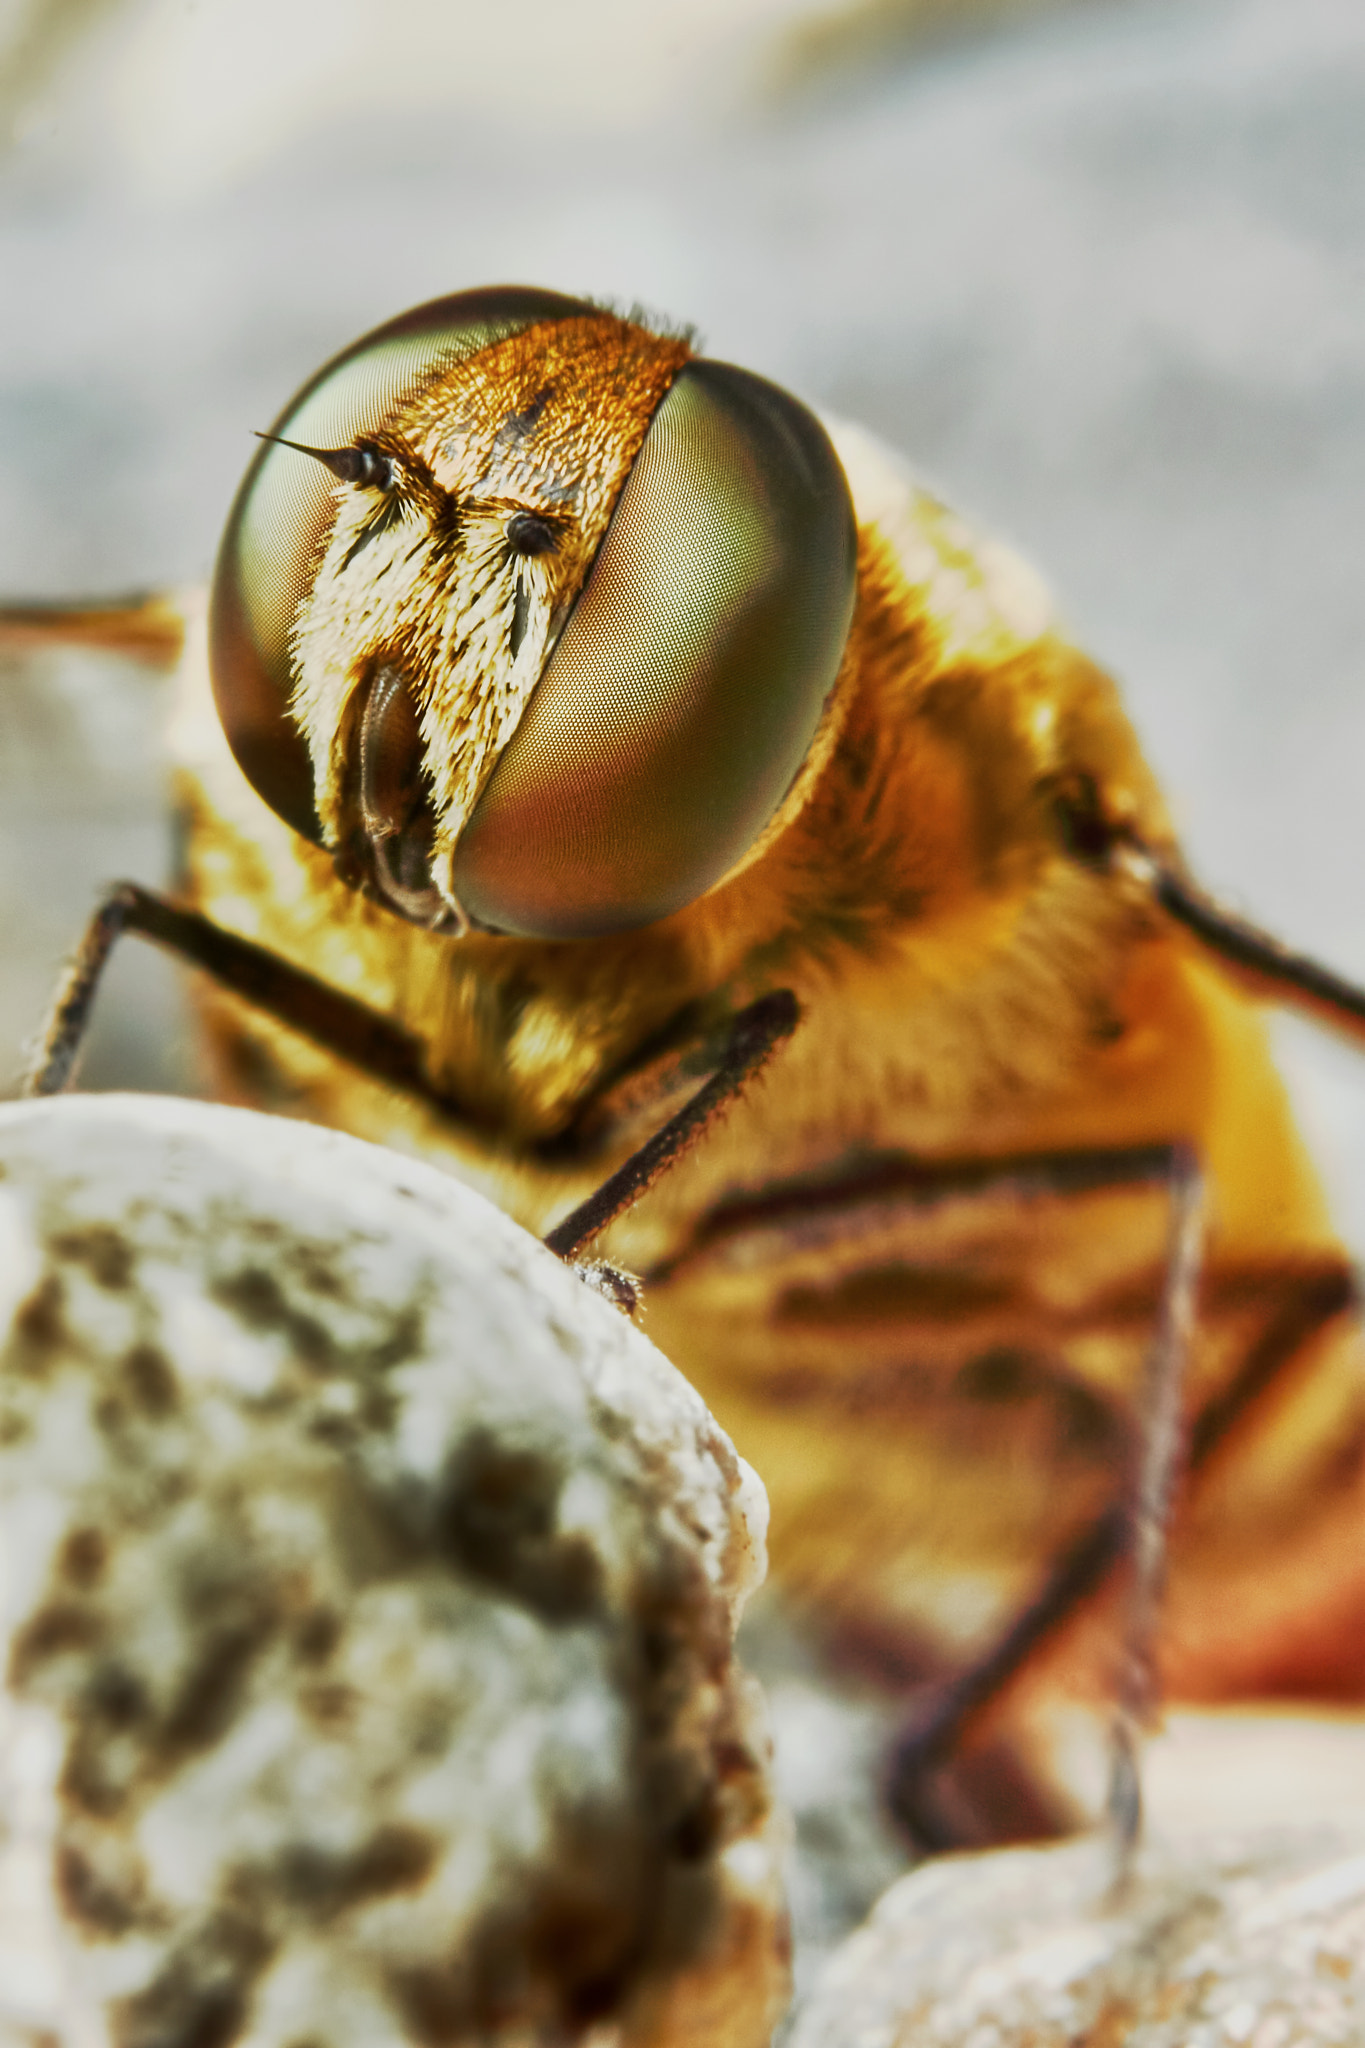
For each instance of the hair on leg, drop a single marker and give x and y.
(1135, 1526)
(337, 1022)
(754, 1036)
(1161, 1452)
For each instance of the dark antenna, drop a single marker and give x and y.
(362, 463)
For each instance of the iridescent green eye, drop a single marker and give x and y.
(546, 629)
(285, 507)
(681, 698)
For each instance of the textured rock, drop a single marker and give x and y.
(1218, 1943)
(368, 1591)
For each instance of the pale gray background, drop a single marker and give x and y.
(1099, 269)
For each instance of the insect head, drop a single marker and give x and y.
(530, 614)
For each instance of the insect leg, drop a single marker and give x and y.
(372, 1041)
(754, 1037)
(1136, 1527)
(149, 629)
(1149, 1514)
(337, 1022)
(1272, 969)
(1282, 974)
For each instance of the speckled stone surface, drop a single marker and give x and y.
(367, 1599)
(1234, 1942)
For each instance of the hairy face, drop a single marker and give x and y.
(464, 530)
(531, 616)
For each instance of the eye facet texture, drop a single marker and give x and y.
(284, 510)
(683, 694)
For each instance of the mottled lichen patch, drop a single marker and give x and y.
(379, 1581)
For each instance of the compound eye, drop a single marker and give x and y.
(277, 530)
(684, 692)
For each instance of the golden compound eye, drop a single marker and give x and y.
(278, 526)
(684, 692)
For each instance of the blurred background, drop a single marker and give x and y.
(1096, 266)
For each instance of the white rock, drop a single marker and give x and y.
(367, 1598)
(1244, 1936)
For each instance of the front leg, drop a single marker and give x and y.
(339, 1023)
(754, 1036)
(383, 1049)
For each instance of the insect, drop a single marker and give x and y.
(591, 729)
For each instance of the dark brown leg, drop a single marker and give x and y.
(933, 1733)
(337, 1022)
(369, 1040)
(836, 1210)
(754, 1037)
(1279, 974)
(1135, 1528)
(1273, 969)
